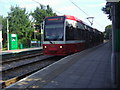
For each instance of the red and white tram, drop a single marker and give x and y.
(66, 34)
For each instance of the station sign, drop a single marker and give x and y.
(112, 0)
(33, 41)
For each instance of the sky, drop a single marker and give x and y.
(91, 8)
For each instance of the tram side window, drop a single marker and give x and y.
(80, 30)
(81, 34)
(74, 33)
(69, 33)
(78, 34)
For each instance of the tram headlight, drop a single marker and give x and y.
(45, 46)
(61, 46)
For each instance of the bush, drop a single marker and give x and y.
(25, 42)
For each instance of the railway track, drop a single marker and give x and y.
(20, 57)
(16, 69)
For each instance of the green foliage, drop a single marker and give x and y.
(34, 40)
(19, 23)
(4, 31)
(1, 19)
(39, 15)
(108, 27)
(107, 9)
(108, 32)
(25, 42)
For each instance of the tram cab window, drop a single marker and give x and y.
(54, 32)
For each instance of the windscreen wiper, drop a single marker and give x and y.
(50, 41)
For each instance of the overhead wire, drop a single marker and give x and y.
(82, 11)
(74, 5)
(78, 7)
(46, 6)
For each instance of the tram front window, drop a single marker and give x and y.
(54, 32)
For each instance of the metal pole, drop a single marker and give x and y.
(113, 56)
(34, 34)
(7, 34)
(115, 60)
(42, 33)
(0, 36)
(0, 40)
(117, 42)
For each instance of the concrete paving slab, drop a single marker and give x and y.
(86, 69)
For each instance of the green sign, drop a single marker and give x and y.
(13, 41)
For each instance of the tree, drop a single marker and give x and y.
(1, 19)
(39, 15)
(20, 24)
(4, 31)
(106, 9)
(108, 32)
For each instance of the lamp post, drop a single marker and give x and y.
(35, 34)
(42, 32)
(0, 36)
(8, 33)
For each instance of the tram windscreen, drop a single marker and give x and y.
(54, 29)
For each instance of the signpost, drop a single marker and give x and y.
(33, 43)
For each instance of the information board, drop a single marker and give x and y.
(13, 41)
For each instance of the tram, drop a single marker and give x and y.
(66, 34)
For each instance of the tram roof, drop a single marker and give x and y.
(73, 18)
(78, 20)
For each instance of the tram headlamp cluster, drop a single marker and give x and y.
(61, 46)
(45, 46)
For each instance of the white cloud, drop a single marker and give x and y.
(69, 8)
(48, 2)
(63, 6)
(96, 5)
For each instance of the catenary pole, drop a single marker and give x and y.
(115, 60)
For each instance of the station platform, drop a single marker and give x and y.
(18, 50)
(90, 68)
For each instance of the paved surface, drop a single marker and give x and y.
(18, 50)
(88, 69)
(91, 71)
